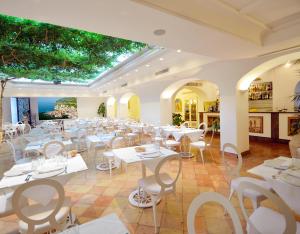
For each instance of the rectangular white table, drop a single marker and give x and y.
(129, 155)
(109, 224)
(288, 192)
(75, 164)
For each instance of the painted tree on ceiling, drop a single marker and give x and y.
(36, 50)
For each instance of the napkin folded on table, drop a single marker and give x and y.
(277, 163)
(49, 169)
(295, 173)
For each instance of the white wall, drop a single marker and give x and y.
(87, 106)
(6, 108)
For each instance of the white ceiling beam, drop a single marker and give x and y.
(251, 6)
(243, 15)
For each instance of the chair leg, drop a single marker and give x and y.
(110, 165)
(201, 153)
(154, 213)
(231, 194)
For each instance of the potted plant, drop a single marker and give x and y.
(102, 110)
(177, 119)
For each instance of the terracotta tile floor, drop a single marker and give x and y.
(95, 194)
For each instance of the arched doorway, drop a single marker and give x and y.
(195, 100)
(130, 107)
(111, 106)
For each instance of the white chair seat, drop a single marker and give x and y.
(108, 154)
(43, 211)
(267, 221)
(250, 193)
(132, 134)
(198, 144)
(150, 184)
(172, 143)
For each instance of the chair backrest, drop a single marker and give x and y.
(10, 149)
(233, 171)
(22, 212)
(203, 126)
(118, 142)
(27, 128)
(158, 168)
(185, 124)
(53, 148)
(205, 197)
(290, 223)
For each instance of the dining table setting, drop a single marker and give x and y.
(283, 174)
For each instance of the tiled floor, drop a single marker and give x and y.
(96, 193)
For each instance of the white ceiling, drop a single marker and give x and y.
(252, 28)
(131, 20)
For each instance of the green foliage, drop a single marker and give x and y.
(101, 110)
(68, 101)
(177, 119)
(36, 50)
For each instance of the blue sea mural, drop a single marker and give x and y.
(57, 108)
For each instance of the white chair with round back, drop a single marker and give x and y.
(109, 157)
(41, 216)
(160, 184)
(53, 148)
(205, 197)
(203, 145)
(236, 179)
(203, 126)
(266, 220)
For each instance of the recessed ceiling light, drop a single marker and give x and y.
(288, 64)
(159, 32)
(178, 51)
(161, 59)
(148, 65)
(127, 74)
(136, 70)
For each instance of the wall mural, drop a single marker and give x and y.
(57, 108)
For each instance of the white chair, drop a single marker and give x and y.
(18, 159)
(203, 198)
(42, 216)
(27, 128)
(185, 124)
(109, 157)
(266, 220)
(203, 126)
(234, 173)
(203, 145)
(53, 148)
(6, 207)
(80, 140)
(160, 184)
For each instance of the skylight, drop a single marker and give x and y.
(32, 50)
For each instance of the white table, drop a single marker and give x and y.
(110, 224)
(289, 193)
(40, 144)
(129, 155)
(75, 164)
(177, 133)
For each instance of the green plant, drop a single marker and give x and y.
(216, 125)
(37, 50)
(177, 119)
(102, 110)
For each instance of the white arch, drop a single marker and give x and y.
(126, 97)
(111, 107)
(244, 83)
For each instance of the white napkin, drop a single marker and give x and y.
(278, 163)
(295, 173)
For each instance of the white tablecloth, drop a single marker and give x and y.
(93, 140)
(289, 193)
(40, 144)
(110, 224)
(129, 155)
(177, 133)
(75, 164)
